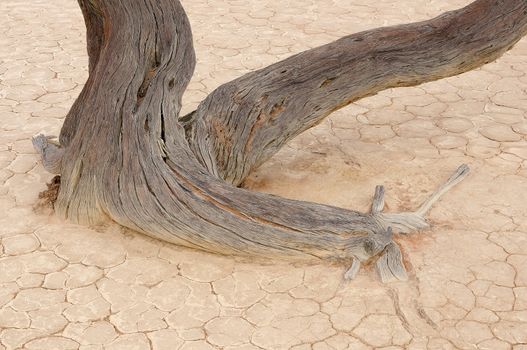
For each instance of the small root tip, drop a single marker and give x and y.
(462, 171)
(39, 141)
(378, 200)
(353, 270)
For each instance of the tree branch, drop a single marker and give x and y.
(244, 122)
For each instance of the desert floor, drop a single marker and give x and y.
(64, 286)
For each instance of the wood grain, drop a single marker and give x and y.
(126, 156)
(244, 122)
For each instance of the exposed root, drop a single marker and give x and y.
(353, 270)
(389, 264)
(414, 221)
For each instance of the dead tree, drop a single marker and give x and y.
(126, 155)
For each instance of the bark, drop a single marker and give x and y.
(129, 159)
(244, 122)
(126, 156)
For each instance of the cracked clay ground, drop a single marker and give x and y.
(64, 286)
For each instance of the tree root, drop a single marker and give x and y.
(413, 221)
(389, 264)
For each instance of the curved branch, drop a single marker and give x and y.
(244, 122)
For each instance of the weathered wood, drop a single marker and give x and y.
(50, 153)
(413, 221)
(95, 33)
(130, 161)
(390, 265)
(244, 122)
(127, 156)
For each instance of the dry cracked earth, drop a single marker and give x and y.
(64, 286)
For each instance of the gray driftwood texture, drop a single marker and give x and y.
(126, 155)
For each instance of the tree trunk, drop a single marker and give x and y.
(126, 156)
